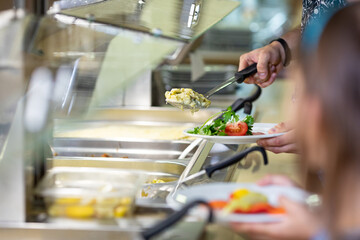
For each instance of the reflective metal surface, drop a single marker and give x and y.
(182, 20)
(169, 167)
(47, 231)
(125, 230)
(125, 149)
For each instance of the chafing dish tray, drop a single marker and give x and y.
(148, 165)
(84, 193)
(76, 144)
(120, 148)
(123, 130)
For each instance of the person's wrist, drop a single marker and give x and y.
(286, 50)
(279, 48)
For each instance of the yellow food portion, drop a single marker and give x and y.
(79, 211)
(240, 193)
(144, 194)
(157, 181)
(120, 211)
(66, 201)
(187, 96)
(90, 208)
(243, 199)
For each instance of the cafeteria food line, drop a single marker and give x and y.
(90, 149)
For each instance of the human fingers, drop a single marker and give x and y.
(249, 228)
(282, 127)
(276, 180)
(274, 69)
(269, 81)
(251, 80)
(263, 65)
(268, 64)
(279, 141)
(292, 208)
(279, 127)
(257, 231)
(246, 60)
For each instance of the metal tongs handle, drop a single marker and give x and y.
(175, 217)
(234, 159)
(239, 77)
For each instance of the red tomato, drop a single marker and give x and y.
(236, 129)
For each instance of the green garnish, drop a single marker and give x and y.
(217, 127)
(249, 120)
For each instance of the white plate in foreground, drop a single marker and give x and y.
(257, 128)
(221, 191)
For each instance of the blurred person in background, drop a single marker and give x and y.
(272, 58)
(328, 114)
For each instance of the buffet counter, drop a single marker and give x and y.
(69, 152)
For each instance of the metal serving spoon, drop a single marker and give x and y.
(239, 77)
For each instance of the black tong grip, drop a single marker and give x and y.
(234, 159)
(175, 217)
(245, 73)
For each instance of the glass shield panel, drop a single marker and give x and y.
(91, 63)
(127, 58)
(177, 19)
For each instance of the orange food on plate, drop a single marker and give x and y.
(218, 204)
(278, 210)
(246, 202)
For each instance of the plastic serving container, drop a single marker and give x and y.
(85, 193)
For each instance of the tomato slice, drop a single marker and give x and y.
(236, 129)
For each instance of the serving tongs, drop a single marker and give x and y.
(205, 175)
(160, 191)
(208, 171)
(239, 77)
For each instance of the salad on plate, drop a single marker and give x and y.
(228, 125)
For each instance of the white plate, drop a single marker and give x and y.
(257, 127)
(221, 191)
